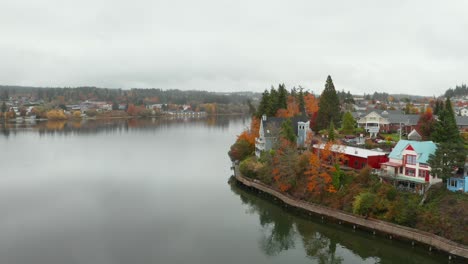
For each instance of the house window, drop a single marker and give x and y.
(401, 170)
(410, 159)
(453, 183)
(355, 164)
(363, 165)
(410, 172)
(423, 173)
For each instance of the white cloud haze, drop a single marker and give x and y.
(417, 47)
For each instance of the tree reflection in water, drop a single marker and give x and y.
(318, 246)
(90, 126)
(324, 242)
(280, 231)
(278, 235)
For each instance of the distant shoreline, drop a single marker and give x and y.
(14, 120)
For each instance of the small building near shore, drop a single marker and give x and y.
(459, 182)
(357, 158)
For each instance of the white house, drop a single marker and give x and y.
(464, 111)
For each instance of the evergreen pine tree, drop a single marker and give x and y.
(450, 153)
(448, 157)
(264, 108)
(282, 97)
(274, 105)
(450, 112)
(300, 98)
(348, 123)
(287, 131)
(329, 107)
(437, 107)
(445, 129)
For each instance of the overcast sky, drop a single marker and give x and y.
(417, 47)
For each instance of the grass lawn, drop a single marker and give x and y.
(395, 137)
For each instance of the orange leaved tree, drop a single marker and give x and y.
(311, 104)
(285, 161)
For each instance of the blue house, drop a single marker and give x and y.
(459, 182)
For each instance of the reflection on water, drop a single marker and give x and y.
(111, 125)
(154, 191)
(323, 242)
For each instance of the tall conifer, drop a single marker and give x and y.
(329, 107)
(264, 108)
(282, 97)
(450, 153)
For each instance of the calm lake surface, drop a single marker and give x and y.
(155, 191)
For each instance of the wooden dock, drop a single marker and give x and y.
(393, 230)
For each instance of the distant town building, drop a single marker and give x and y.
(463, 111)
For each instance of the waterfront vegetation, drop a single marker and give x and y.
(321, 177)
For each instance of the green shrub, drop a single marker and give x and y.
(363, 203)
(250, 167)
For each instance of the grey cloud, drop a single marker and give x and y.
(395, 46)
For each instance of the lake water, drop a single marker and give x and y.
(155, 191)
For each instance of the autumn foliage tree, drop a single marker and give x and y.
(311, 104)
(323, 172)
(293, 106)
(319, 179)
(56, 114)
(245, 143)
(284, 165)
(426, 124)
(131, 110)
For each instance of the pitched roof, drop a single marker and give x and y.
(462, 120)
(402, 118)
(352, 151)
(423, 148)
(414, 135)
(393, 116)
(275, 123)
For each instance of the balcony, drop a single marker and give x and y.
(398, 177)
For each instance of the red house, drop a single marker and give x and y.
(357, 158)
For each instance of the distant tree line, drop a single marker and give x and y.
(458, 91)
(135, 96)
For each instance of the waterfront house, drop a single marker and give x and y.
(270, 129)
(408, 166)
(356, 158)
(459, 182)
